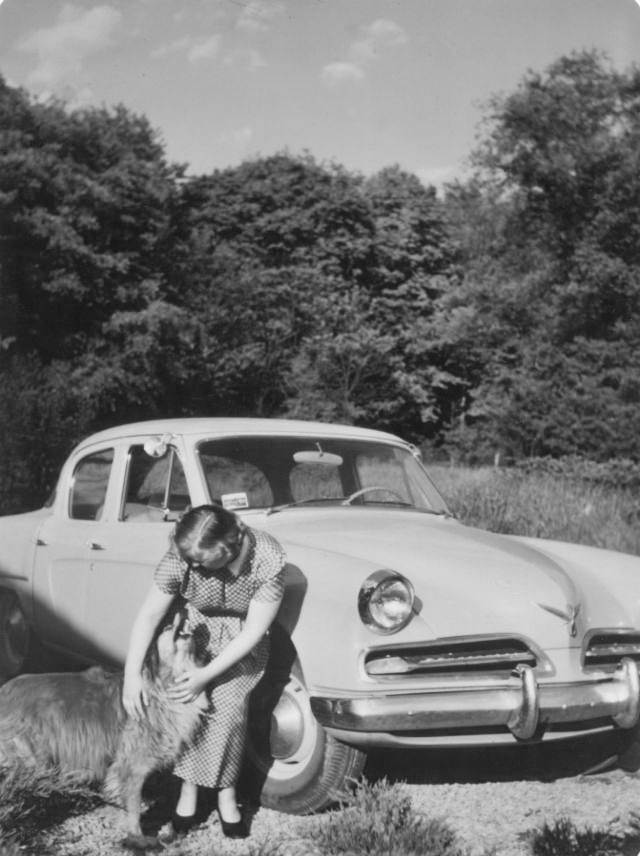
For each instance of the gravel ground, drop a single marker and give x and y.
(489, 816)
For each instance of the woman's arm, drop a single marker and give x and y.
(260, 616)
(153, 608)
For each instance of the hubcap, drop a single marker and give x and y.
(293, 734)
(287, 728)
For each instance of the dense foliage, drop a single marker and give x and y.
(501, 320)
(544, 325)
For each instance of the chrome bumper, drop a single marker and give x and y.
(521, 707)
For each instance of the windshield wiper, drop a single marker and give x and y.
(276, 508)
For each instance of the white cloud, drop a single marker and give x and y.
(61, 49)
(257, 15)
(373, 40)
(242, 136)
(247, 58)
(204, 50)
(177, 46)
(339, 72)
(237, 138)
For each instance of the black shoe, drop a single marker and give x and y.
(238, 829)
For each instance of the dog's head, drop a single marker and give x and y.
(175, 645)
(173, 651)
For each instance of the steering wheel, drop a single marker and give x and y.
(363, 490)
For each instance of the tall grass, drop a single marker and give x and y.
(543, 505)
(32, 800)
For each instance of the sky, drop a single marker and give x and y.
(362, 83)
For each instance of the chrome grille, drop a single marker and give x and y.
(493, 656)
(607, 649)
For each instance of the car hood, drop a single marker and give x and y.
(467, 581)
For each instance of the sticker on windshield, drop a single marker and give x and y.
(234, 500)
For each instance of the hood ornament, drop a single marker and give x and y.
(570, 617)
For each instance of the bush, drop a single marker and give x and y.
(618, 473)
(378, 820)
(542, 505)
(563, 839)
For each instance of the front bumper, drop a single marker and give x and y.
(524, 707)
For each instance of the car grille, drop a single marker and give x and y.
(608, 648)
(495, 656)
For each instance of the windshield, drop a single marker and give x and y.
(264, 472)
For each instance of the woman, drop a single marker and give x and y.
(231, 579)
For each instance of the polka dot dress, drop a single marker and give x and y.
(217, 603)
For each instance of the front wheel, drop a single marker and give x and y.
(293, 765)
(14, 636)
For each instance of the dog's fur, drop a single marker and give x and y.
(75, 724)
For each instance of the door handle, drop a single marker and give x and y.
(94, 545)
(40, 542)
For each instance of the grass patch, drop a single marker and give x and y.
(32, 801)
(542, 505)
(562, 838)
(378, 820)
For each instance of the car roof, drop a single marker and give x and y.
(216, 425)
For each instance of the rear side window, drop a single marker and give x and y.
(89, 485)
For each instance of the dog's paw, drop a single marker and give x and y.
(133, 841)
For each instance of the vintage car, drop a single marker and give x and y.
(400, 626)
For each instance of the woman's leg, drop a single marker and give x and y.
(187, 801)
(228, 805)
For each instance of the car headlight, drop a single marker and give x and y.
(385, 601)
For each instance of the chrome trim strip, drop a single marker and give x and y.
(388, 665)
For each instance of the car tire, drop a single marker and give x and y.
(15, 636)
(293, 765)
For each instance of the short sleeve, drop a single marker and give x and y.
(270, 560)
(168, 574)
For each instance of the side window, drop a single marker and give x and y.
(89, 485)
(155, 488)
(236, 484)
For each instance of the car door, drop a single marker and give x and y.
(152, 494)
(65, 542)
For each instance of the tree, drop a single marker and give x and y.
(84, 199)
(542, 322)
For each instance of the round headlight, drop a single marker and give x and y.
(385, 601)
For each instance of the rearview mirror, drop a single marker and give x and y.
(313, 457)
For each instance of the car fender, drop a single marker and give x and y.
(320, 614)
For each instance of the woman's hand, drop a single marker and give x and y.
(189, 685)
(134, 697)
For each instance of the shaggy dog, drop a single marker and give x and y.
(75, 725)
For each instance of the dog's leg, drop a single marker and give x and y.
(127, 778)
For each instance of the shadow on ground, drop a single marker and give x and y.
(535, 762)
